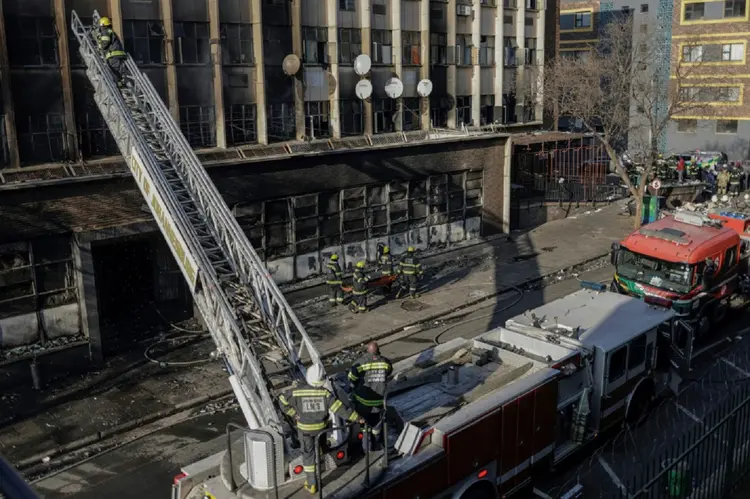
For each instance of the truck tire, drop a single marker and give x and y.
(480, 490)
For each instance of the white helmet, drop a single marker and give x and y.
(314, 376)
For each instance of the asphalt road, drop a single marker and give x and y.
(145, 468)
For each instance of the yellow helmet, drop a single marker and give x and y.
(360, 265)
(334, 257)
(410, 249)
(105, 22)
(386, 249)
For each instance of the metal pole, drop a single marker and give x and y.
(367, 456)
(232, 483)
(318, 476)
(728, 470)
(384, 429)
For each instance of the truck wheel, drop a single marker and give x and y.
(480, 490)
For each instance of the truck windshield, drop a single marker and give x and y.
(653, 272)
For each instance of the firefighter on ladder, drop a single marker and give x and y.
(410, 270)
(333, 279)
(359, 289)
(111, 46)
(369, 378)
(309, 405)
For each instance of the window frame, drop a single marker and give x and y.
(693, 129)
(352, 35)
(724, 132)
(438, 50)
(691, 8)
(408, 48)
(385, 37)
(348, 5)
(202, 44)
(226, 40)
(736, 5)
(621, 378)
(151, 39)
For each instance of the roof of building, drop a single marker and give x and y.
(606, 320)
(536, 138)
(675, 241)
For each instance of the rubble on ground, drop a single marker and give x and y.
(26, 350)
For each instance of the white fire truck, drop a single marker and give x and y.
(468, 419)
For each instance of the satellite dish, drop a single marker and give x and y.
(394, 88)
(291, 65)
(362, 64)
(424, 88)
(363, 89)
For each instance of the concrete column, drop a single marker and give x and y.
(539, 63)
(451, 73)
(499, 57)
(260, 72)
(398, 66)
(507, 157)
(520, 84)
(63, 52)
(299, 85)
(7, 107)
(115, 15)
(365, 21)
(218, 74)
(334, 113)
(86, 283)
(168, 20)
(476, 76)
(424, 59)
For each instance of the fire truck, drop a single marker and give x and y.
(691, 263)
(467, 419)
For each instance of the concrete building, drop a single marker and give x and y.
(305, 164)
(717, 33)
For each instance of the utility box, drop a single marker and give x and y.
(651, 205)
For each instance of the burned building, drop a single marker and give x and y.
(303, 161)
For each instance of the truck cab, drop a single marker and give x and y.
(686, 262)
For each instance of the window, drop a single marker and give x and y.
(575, 21)
(726, 126)
(734, 8)
(348, 5)
(314, 45)
(463, 50)
(576, 54)
(350, 44)
(692, 53)
(508, 19)
(530, 52)
(617, 364)
(382, 46)
(644, 8)
(277, 43)
(509, 49)
(487, 110)
(532, 5)
(730, 257)
(241, 124)
(198, 124)
(384, 111)
(411, 46)
(583, 20)
(144, 41)
(94, 137)
(687, 126)
(192, 43)
(694, 11)
(436, 14)
(463, 110)
(510, 4)
(487, 51)
(710, 94)
(379, 9)
(351, 117)
(733, 52)
(412, 118)
(41, 137)
(237, 43)
(281, 123)
(316, 119)
(32, 41)
(438, 48)
(637, 352)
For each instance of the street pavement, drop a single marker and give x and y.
(452, 280)
(145, 468)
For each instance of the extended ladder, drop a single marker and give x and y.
(241, 304)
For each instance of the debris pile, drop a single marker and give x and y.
(28, 350)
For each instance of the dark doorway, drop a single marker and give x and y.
(125, 285)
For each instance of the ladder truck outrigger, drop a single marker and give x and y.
(475, 418)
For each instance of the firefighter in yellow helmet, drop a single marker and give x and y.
(385, 262)
(334, 280)
(112, 49)
(359, 288)
(410, 270)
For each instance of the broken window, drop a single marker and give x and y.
(439, 107)
(487, 51)
(412, 117)
(487, 110)
(384, 111)
(198, 124)
(144, 41)
(411, 45)
(473, 193)
(305, 223)
(438, 199)
(94, 137)
(463, 109)
(438, 48)
(241, 124)
(41, 138)
(463, 50)
(382, 46)
(237, 44)
(314, 45)
(191, 43)
(277, 43)
(277, 228)
(76, 61)
(350, 44)
(352, 122)
(32, 41)
(316, 119)
(281, 123)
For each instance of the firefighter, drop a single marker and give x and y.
(722, 180)
(359, 288)
(333, 279)
(111, 46)
(411, 270)
(369, 378)
(385, 262)
(309, 405)
(734, 181)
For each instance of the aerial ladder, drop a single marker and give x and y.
(245, 312)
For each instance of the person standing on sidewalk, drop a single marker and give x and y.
(681, 169)
(411, 270)
(359, 288)
(334, 280)
(309, 405)
(369, 380)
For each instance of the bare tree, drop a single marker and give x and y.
(618, 90)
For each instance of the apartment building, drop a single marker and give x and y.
(713, 37)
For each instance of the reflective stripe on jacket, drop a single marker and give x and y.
(334, 274)
(369, 377)
(110, 43)
(310, 405)
(409, 265)
(359, 282)
(386, 264)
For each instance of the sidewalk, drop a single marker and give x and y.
(451, 281)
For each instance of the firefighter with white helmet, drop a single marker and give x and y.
(309, 405)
